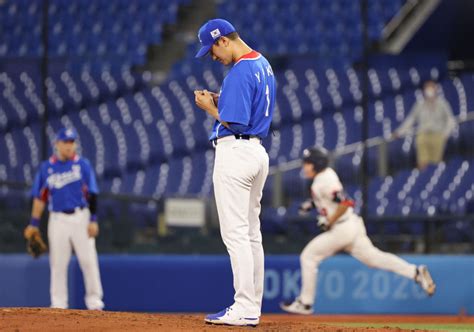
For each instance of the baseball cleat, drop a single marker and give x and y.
(228, 317)
(423, 278)
(297, 307)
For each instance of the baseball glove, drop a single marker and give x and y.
(36, 246)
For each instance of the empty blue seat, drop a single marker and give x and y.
(90, 21)
(273, 220)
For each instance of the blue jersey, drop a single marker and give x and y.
(65, 184)
(247, 98)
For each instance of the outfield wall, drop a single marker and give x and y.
(172, 283)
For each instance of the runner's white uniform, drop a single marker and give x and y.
(348, 234)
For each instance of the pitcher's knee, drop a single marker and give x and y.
(256, 238)
(232, 242)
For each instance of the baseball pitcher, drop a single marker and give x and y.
(243, 112)
(343, 231)
(66, 182)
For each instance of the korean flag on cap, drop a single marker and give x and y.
(215, 34)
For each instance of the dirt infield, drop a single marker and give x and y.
(45, 319)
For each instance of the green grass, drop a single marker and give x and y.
(419, 326)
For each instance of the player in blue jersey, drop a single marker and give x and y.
(66, 182)
(243, 112)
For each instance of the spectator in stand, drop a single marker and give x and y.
(434, 122)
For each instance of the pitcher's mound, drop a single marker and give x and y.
(45, 319)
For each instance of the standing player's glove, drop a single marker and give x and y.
(35, 244)
(305, 207)
(323, 223)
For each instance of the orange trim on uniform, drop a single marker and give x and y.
(348, 203)
(251, 55)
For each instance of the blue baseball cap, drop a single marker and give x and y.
(66, 134)
(211, 31)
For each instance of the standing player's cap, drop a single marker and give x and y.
(210, 32)
(66, 134)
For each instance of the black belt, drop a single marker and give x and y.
(71, 211)
(237, 136)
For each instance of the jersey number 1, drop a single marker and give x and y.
(267, 94)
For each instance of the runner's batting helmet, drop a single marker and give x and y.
(318, 156)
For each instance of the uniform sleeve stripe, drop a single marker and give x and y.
(348, 202)
(44, 194)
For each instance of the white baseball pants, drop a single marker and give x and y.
(351, 237)
(240, 171)
(65, 232)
